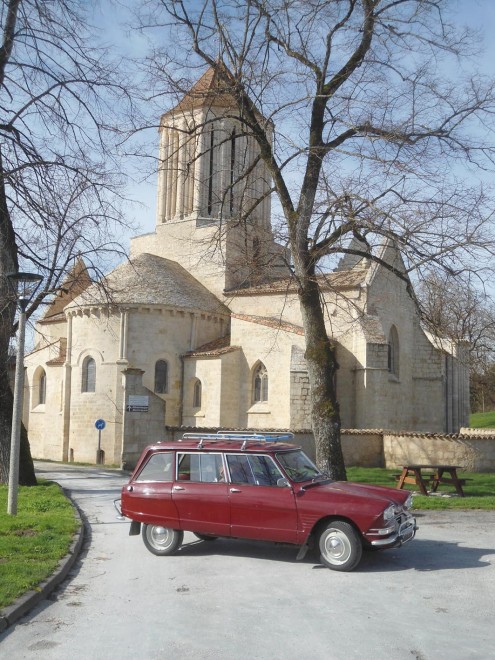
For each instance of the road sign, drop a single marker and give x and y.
(137, 403)
(100, 424)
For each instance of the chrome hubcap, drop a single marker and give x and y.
(336, 547)
(161, 536)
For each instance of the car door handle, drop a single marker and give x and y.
(130, 489)
(178, 488)
(235, 490)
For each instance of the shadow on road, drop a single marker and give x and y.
(419, 555)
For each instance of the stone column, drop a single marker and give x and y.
(199, 156)
(163, 167)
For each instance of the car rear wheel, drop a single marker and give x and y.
(340, 546)
(162, 540)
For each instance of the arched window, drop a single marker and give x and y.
(161, 377)
(260, 384)
(42, 388)
(88, 375)
(197, 394)
(393, 351)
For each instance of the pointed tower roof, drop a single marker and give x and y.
(349, 260)
(209, 90)
(77, 281)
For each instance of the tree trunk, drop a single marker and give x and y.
(322, 366)
(8, 264)
(27, 476)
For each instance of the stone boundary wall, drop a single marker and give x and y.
(471, 449)
(473, 452)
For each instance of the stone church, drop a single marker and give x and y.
(201, 326)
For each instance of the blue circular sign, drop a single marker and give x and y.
(100, 424)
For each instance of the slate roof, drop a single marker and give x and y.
(151, 280)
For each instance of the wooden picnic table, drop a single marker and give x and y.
(414, 474)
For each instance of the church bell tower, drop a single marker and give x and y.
(212, 180)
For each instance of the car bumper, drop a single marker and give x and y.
(404, 532)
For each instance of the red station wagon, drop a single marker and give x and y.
(259, 487)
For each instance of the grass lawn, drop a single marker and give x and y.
(484, 420)
(479, 490)
(34, 541)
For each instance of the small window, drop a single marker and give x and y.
(260, 384)
(89, 375)
(161, 377)
(393, 352)
(197, 394)
(42, 388)
(158, 468)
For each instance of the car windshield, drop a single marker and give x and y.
(298, 466)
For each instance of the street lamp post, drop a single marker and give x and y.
(24, 286)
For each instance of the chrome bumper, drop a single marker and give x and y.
(116, 504)
(403, 534)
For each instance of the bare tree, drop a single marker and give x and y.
(374, 114)
(61, 97)
(460, 311)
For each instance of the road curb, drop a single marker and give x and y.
(30, 599)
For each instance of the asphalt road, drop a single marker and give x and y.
(432, 599)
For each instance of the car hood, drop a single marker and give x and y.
(381, 494)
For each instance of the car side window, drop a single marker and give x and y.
(204, 468)
(255, 470)
(240, 469)
(158, 468)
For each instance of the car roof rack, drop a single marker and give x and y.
(237, 437)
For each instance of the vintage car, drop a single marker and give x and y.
(259, 487)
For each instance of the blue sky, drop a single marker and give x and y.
(112, 17)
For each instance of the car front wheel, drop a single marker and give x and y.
(162, 540)
(340, 546)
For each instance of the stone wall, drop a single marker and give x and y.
(475, 453)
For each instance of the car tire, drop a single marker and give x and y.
(340, 546)
(205, 537)
(161, 540)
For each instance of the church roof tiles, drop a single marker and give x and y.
(346, 279)
(151, 280)
(271, 322)
(213, 348)
(210, 90)
(77, 281)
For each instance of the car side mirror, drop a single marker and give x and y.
(283, 482)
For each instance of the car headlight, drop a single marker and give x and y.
(408, 502)
(389, 513)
